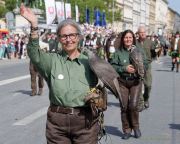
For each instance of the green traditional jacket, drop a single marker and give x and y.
(120, 60)
(147, 46)
(69, 81)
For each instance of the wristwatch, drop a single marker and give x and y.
(34, 29)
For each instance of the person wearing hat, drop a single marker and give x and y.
(175, 52)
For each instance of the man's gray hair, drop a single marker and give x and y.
(68, 22)
(141, 27)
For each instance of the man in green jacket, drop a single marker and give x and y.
(147, 45)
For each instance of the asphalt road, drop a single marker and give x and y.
(23, 118)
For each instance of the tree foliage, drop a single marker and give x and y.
(10, 4)
(102, 5)
(3, 11)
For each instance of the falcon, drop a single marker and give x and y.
(105, 72)
(136, 59)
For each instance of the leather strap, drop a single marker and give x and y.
(67, 110)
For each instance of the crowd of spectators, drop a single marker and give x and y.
(13, 46)
(100, 39)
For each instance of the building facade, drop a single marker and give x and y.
(176, 27)
(170, 21)
(160, 17)
(118, 25)
(152, 9)
(136, 14)
(128, 14)
(147, 7)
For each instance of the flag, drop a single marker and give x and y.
(60, 11)
(103, 22)
(68, 10)
(77, 13)
(50, 11)
(97, 15)
(87, 16)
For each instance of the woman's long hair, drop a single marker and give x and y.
(122, 46)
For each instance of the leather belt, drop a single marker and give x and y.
(67, 110)
(128, 78)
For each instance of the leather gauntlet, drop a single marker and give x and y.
(97, 100)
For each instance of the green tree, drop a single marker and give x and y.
(102, 5)
(3, 11)
(10, 4)
(115, 8)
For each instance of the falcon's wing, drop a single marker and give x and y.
(106, 73)
(136, 59)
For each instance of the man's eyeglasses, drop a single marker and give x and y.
(72, 36)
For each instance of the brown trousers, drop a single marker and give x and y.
(34, 74)
(71, 128)
(130, 92)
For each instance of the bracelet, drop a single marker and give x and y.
(34, 29)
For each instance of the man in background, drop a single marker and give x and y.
(175, 51)
(34, 75)
(147, 45)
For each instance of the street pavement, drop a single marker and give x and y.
(23, 118)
